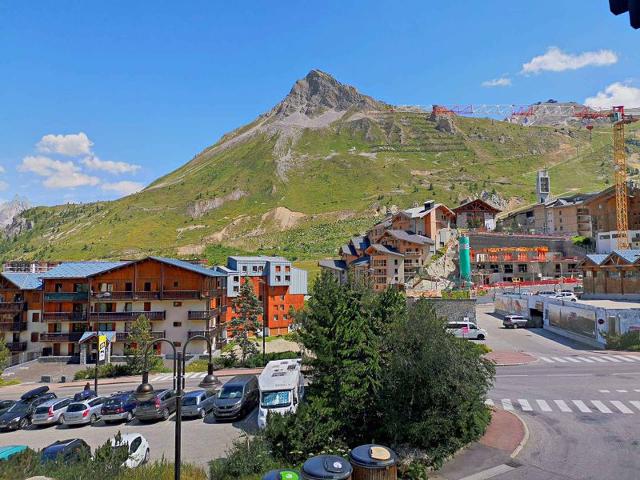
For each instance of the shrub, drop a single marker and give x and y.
(627, 341)
(112, 370)
(252, 361)
(247, 456)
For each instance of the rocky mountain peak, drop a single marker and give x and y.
(318, 92)
(11, 209)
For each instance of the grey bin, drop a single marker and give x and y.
(373, 462)
(326, 467)
(281, 475)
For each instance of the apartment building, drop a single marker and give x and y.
(432, 220)
(476, 214)
(279, 285)
(20, 310)
(82, 298)
(612, 276)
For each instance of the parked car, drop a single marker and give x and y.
(83, 413)
(568, 296)
(514, 321)
(466, 330)
(84, 395)
(118, 407)
(6, 405)
(18, 416)
(137, 448)
(9, 451)
(67, 451)
(51, 412)
(194, 403)
(237, 397)
(546, 293)
(159, 407)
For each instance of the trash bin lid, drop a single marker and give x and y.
(373, 456)
(281, 475)
(327, 467)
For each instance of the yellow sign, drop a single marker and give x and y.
(102, 348)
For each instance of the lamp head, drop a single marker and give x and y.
(144, 392)
(210, 381)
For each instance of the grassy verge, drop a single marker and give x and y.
(7, 382)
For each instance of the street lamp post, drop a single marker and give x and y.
(145, 391)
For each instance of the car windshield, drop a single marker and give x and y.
(113, 402)
(231, 391)
(190, 401)
(276, 399)
(51, 453)
(41, 410)
(76, 407)
(19, 407)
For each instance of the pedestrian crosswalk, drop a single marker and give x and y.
(591, 359)
(628, 407)
(169, 376)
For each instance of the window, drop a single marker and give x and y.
(522, 268)
(281, 307)
(128, 307)
(36, 317)
(236, 289)
(508, 268)
(147, 306)
(255, 268)
(287, 268)
(395, 261)
(177, 324)
(128, 287)
(275, 318)
(177, 344)
(135, 445)
(58, 288)
(244, 268)
(147, 286)
(615, 275)
(278, 278)
(177, 304)
(175, 284)
(287, 278)
(236, 278)
(278, 268)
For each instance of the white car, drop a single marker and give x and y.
(466, 330)
(137, 446)
(569, 296)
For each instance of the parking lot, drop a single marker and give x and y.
(202, 441)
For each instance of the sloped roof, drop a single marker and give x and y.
(419, 212)
(477, 200)
(598, 258)
(81, 269)
(360, 242)
(24, 281)
(410, 237)
(333, 264)
(630, 256)
(189, 266)
(384, 249)
(360, 261)
(258, 258)
(348, 250)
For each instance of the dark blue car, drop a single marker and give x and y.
(118, 407)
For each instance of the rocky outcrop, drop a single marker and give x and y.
(11, 209)
(201, 207)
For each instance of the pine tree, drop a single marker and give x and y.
(246, 322)
(140, 337)
(5, 355)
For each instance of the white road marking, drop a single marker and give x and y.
(622, 391)
(525, 405)
(635, 403)
(585, 359)
(581, 406)
(571, 359)
(546, 359)
(506, 404)
(621, 406)
(558, 359)
(562, 405)
(604, 391)
(598, 359)
(636, 389)
(633, 357)
(544, 406)
(611, 359)
(601, 406)
(489, 473)
(621, 357)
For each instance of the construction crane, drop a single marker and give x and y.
(529, 114)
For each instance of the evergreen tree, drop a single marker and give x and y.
(246, 321)
(139, 338)
(5, 355)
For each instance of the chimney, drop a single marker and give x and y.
(428, 205)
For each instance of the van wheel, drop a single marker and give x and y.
(61, 420)
(480, 337)
(165, 414)
(24, 423)
(93, 419)
(515, 325)
(203, 413)
(129, 417)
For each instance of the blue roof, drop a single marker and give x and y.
(597, 258)
(24, 281)
(81, 269)
(629, 255)
(361, 260)
(189, 266)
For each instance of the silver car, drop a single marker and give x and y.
(51, 412)
(83, 413)
(194, 405)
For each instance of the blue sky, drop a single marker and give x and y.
(100, 98)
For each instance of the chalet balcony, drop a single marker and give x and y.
(13, 326)
(193, 333)
(199, 314)
(147, 295)
(61, 337)
(64, 316)
(17, 346)
(66, 296)
(11, 307)
(124, 336)
(125, 316)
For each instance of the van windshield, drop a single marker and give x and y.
(277, 399)
(231, 391)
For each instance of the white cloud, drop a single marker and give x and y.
(497, 82)
(125, 187)
(555, 60)
(69, 145)
(2, 170)
(615, 94)
(109, 166)
(58, 174)
(3, 185)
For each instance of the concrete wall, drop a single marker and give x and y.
(453, 310)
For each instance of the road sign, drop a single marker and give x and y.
(102, 348)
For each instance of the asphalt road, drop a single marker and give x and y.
(582, 407)
(202, 441)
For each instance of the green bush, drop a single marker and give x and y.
(627, 341)
(248, 457)
(112, 370)
(226, 361)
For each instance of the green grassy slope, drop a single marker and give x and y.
(341, 176)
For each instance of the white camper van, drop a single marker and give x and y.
(281, 386)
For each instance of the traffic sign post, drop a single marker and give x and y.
(101, 356)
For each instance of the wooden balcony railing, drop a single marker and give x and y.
(64, 316)
(144, 295)
(66, 296)
(13, 326)
(17, 346)
(60, 337)
(125, 316)
(199, 314)
(11, 306)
